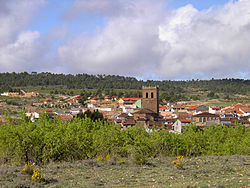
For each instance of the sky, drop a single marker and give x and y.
(146, 39)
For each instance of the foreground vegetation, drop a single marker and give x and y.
(55, 140)
(224, 171)
(86, 153)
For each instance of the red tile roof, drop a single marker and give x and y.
(228, 109)
(65, 116)
(130, 99)
(193, 107)
(77, 97)
(163, 107)
(186, 120)
(216, 108)
(205, 114)
(245, 109)
(239, 106)
(107, 97)
(107, 115)
(177, 106)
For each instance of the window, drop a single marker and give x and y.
(146, 94)
(152, 95)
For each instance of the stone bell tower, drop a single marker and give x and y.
(150, 98)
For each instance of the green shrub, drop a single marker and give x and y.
(56, 140)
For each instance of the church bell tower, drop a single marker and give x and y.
(150, 98)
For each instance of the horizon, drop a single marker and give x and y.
(145, 39)
(138, 79)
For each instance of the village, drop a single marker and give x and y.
(144, 111)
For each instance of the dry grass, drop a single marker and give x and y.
(226, 171)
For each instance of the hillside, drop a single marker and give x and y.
(237, 90)
(82, 81)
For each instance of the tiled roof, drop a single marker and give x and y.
(239, 106)
(245, 109)
(177, 106)
(65, 116)
(141, 119)
(145, 111)
(186, 120)
(193, 107)
(216, 108)
(170, 120)
(162, 107)
(205, 114)
(129, 122)
(123, 115)
(130, 99)
(228, 109)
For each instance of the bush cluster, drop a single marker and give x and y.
(56, 140)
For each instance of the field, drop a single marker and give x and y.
(224, 171)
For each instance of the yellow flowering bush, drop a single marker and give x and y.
(31, 170)
(100, 158)
(121, 162)
(108, 157)
(37, 175)
(179, 163)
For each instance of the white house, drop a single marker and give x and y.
(214, 109)
(5, 94)
(179, 125)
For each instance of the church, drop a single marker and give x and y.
(148, 115)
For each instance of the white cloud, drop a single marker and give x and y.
(213, 43)
(18, 47)
(122, 47)
(144, 38)
(20, 54)
(139, 38)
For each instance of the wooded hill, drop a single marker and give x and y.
(86, 81)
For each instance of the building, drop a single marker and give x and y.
(148, 115)
(150, 98)
(107, 98)
(214, 109)
(47, 101)
(31, 94)
(177, 108)
(145, 116)
(206, 119)
(179, 125)
(198, 108)
(127, 102)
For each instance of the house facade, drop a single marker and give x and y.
(206, 119)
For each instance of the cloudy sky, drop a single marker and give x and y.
(147, 39)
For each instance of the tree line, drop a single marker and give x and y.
(8, 82)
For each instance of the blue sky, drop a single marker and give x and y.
(199, 4)
(51, 15)
(148, 39)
